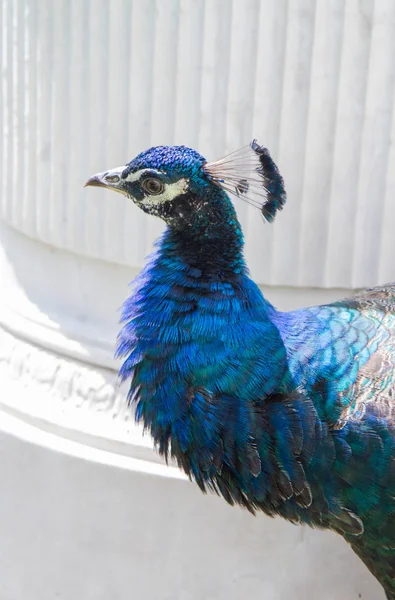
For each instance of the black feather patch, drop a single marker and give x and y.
(273, 183)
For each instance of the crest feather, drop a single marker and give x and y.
(251, 174)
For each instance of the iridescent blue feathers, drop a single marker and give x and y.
(172, 160)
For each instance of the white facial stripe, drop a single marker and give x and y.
(136, 176)
(172, 190)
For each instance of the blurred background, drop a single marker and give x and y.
(87, 510)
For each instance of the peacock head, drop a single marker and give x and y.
(177, 184)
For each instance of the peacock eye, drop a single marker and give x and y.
(152, 186)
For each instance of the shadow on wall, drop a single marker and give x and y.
(75, 295)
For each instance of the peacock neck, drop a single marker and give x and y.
(212, 241)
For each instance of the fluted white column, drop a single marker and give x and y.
(85, 85)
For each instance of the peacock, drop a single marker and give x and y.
(289, 413)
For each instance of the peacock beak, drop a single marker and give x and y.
(109, 179)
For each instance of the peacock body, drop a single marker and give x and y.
(289, 413)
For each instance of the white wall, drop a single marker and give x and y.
(85, 85)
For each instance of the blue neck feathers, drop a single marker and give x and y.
(189, 315)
